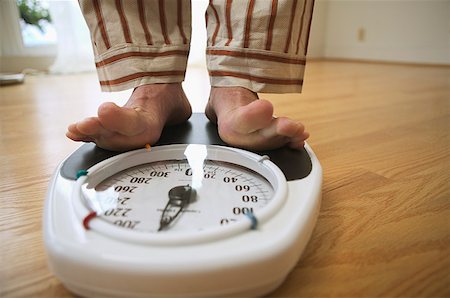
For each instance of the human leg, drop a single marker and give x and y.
(143, 45)
(256, 46)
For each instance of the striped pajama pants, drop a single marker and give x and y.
(257, 44)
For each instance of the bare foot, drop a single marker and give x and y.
(138, 122)
(246, 122)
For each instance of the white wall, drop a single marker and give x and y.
(387, 30)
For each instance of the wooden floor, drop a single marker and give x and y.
(380, 131)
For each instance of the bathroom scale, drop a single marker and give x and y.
(187, 217)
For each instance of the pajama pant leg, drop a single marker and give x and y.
(258, 44)
(138, 42)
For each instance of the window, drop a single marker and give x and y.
(18, 43)
(36, 23)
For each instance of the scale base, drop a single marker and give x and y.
(253, 263)
(101, 293)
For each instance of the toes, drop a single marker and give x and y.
(250, 130)
(78, 137)
(73, 129)
(299, 141)
(87, 130)
(90, 127)
(294, 131)
(282, 131)
(282, 127)
(252, 117)
(124, 121)
(249, 123)
(74, 134)
(289, 128)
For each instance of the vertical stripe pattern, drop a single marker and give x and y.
(228, 20)
(248, 23)
(262, 44)
(291, 23)
(123, 21)
(301, 27)
(180, 20)
(100, 22)
(280, 26)
(138, 42)
(142, 19)
(273, 14)
(162, 21)
(216, 15)
(308, 30)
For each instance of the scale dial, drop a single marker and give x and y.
(180, 193)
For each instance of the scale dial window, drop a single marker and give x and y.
(225, 192)
(180, 194)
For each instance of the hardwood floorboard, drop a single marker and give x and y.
(381, 133)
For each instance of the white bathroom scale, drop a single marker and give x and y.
(188, 217)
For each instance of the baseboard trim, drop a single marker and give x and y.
(371, 61)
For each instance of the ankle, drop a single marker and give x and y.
(233, 90)
(223, 99)
(150, 89)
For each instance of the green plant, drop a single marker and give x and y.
(32, 12)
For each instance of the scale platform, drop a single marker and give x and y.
(250, 255)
